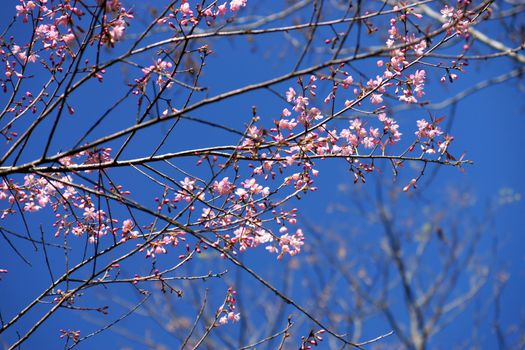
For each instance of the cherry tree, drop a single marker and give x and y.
(143, 148)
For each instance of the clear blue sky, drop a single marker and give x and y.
(487, 126)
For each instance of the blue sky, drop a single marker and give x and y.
(487, 127)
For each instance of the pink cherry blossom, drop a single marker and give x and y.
(290, 94)
(235, 5)
(185, 9)
(447, 12)
(221, 9)
(376, 99)
(223, 187)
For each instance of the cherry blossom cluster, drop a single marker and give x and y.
(34, 194)
(410, 87)
(429, 137)
(413, 84)
(158, 246)
(116, 21)
(243, 210)
(187, 13)
(75, 213)
(57, 32)
(227, 310)
(55, 26)
(70, 334)
(459, 18)
(163, 71)
(311, 340)
(63, 295)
